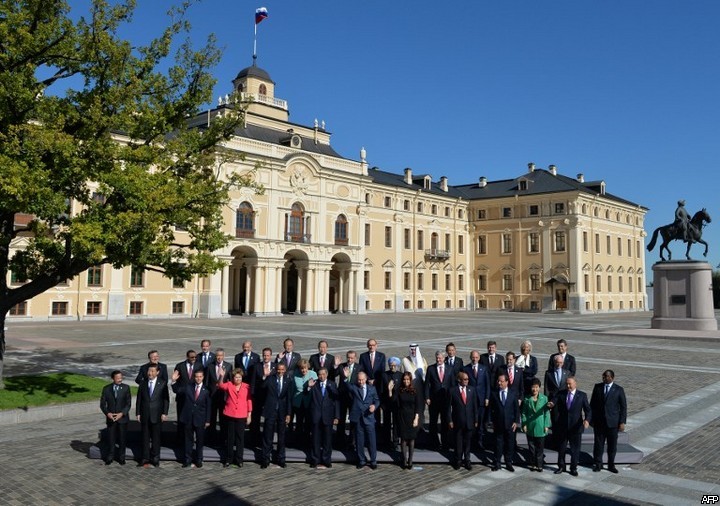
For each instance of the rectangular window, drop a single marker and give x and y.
(461, 244)
(507, 282)
(638, 249)
(434, 304)
(598, 284)
(178, 307)
(640, 285)
(406, 238)
(388, 280)
(609, 285)
(619, 246)
(447, 242)
(59, 308)
(136, 307)
(585, 241)
(482, 304)
(94, 276)
(420, 281)
(506, 243)
(406, 281)
(433, 209)
(461, 214)
(620, 284)
(586, 279)
(93, 307)
(387, 201)
(448, 304)
(419, 207)
(420, 304)
(137, 277)
(388, 237)
(406, 304)
(406, 205)
(447, 282)
(482, 282)
(19, 309)
(597, 243)
(178, 283)
(461, 282)
(507, 212)
(420, 242)
(534, 210)
(534, 282)
(559, 241)
(367, 234)
(559, 208)
(507, 304)
(481, 214)
(434, 281)
(629, 248)
(629, 283)
(366, 280)
(447, 211)
(388, 304)
(482, 245)
(608, 246)
(534, 242)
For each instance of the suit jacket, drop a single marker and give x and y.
(464, 415)
(212, 378)
(503, 416)
(457, 365)
(608, 411)
(552, 388)
(570, 420)
(324, 409)
(294, 359)
(360, 409)
(205, 362)
(568, 363)
(151, 408)
(182, 369)
(194, 412)
(382, 386)
(256, 383)
(436, 390)
(329, 364)
(344, 382)
(373, 373)
(278, 403)
(481, 384)
(492, 370)
(518, 385)
(240, 364)
(162, 373)
(110, 404)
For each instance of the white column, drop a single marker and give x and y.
(279, 289)
(300, 290)
(235, 292)
(247, 288)
(341, 288)
(224, 292)
(311, 291)
(283, 288)
(351, 290)
(256, 289)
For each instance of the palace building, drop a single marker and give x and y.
(332, 235)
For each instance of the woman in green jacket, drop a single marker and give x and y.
(535, 423)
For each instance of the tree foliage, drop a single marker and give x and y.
(91, 122)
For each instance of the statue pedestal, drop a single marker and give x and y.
(683, 296)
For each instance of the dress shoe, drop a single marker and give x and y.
(532, 468)
(596, 468)
(283, 465)
(373, 466)
(156, 464)
(239, 464)
(495, 468)
(313, 466)
(613, 469)
(359, 466)
(199, 464)
(226, 465)
(573, 472)
(328, 465)
(108, 462)
(121, 462)
(468, 466)
(510, 468)
(456, 466)
(559, 470)
(539, 469)
(187, 464)
(264, 465)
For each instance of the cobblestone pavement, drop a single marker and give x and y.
(672, 386)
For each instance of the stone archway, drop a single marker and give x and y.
(243, 285)
(294, 298)
(342, 286)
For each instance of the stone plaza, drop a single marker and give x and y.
(671, 380)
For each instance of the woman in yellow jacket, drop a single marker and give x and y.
(535, 419)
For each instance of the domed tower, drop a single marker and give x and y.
(255, 87)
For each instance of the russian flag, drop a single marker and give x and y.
(260, 14)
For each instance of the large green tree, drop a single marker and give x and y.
(95, 146)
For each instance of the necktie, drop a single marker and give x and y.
(463, 395)
(322, 387)
(205, 359)
(475, 370)
(372, 360)
(441, 373)
(219, 371)
(322, 360)
(279, 385)
(189, 368)
(558, 376)
(116, 390)
(569, 399)
(492, 359)
(151, 387)
(452, 361)
(511, 374)
(364, 392)
(502, 397)
(289, 358)
(245, 364)
(607, 389)
(197, 391)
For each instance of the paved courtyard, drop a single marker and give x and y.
(672, 383)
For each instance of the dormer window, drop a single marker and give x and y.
(262, 90)
(522, 185)
(427, 183)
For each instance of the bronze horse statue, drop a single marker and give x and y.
(674, 232)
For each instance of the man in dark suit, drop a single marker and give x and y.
(609, 413)
(324, 414)
(505, 415)
(115, 401)
(389, 380)
(151, 409)
(365, 402)
(347, 375)
(206, 357)
(372, 362)
(480, 381)
(194, 415)
(246, 360)
(186, 376)
(288, 356)
(277, 411)
(574, 416)
(463, 413)
(492, 361)
(568, 360)
(438, 382)
(514, 374)
(261, 371)
(451, 359)
(218, 371)
(323, 359)
(555, 382)
(153, 358)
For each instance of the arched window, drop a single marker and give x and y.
(262, 90)
(341, 231)
(240, 88)
(244, 221)
(295, 224)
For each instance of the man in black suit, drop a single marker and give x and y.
(323, 359)
(609, 413)
(206, 356)
(218, 371)
(277, 411)
(574, 416)
(568, 360)
(389, 380)
(464, 416)
(505, 414)
(258, 373)
(324, 414)
(492, 361)
(555, 382)
(288, 356)
(153, 358)
(480, 382)
(347, 375)
(514, 374)
(186, 376)
(151, 409)
(451, 359)
(246, 360)
(194, 415)
(438, 382)
(115, 402)
(372, 363)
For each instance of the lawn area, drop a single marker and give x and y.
(22, 392)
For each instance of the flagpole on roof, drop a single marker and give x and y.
(260, 14)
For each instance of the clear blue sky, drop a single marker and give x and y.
(620, 90)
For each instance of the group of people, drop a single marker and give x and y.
(383, 399)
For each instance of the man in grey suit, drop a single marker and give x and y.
(115, 402)
(151, 409)
(365, 402)
(609, 409)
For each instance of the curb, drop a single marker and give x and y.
(40, 413)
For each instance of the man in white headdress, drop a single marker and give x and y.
(415, 364)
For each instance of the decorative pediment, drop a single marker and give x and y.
(448, 267)
(368, 263)
(389, 264)
(587, 268)
(482, 267)
(621, 270)
(598, 268)
(507, 267)
(420, 265)
(535, 267)
(631, 270)
(460, 268)
(609, 268)
(407, 265)
(640, 271)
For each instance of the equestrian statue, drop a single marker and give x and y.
(684, 229)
